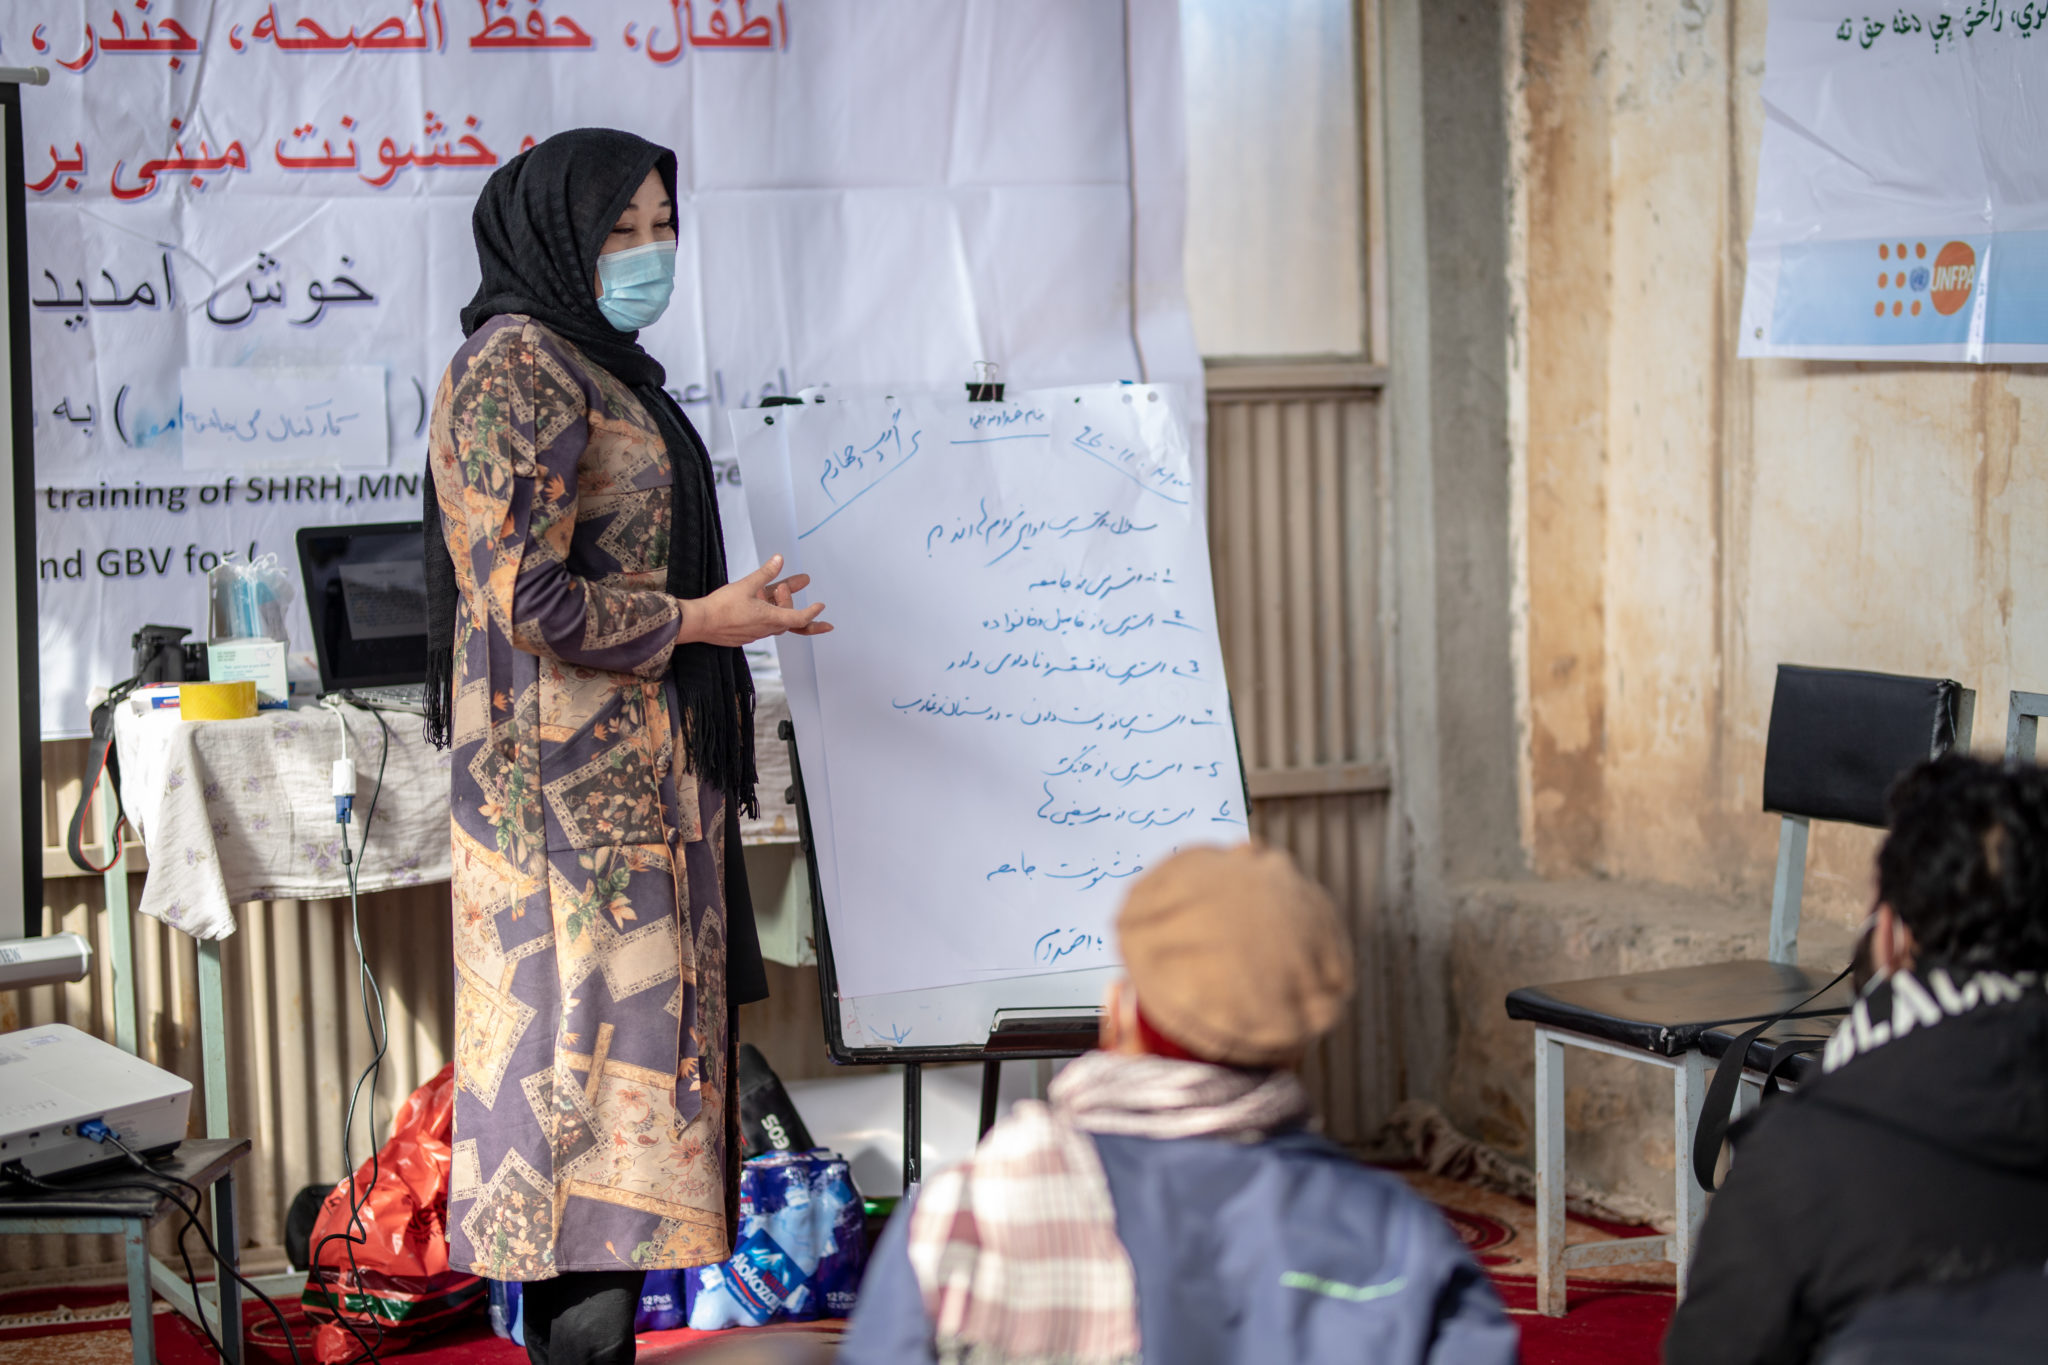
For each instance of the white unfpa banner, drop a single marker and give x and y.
(874, 193)
(1902, 201)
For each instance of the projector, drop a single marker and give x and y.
(42, 961)
(57, 1085)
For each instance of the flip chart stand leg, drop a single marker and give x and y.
(913, 1123)
(991, 1089)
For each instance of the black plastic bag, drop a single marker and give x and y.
(768, 1119)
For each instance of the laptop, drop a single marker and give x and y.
(366, 590)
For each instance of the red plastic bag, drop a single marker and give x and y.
(391, 1283)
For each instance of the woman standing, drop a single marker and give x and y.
(585, 665)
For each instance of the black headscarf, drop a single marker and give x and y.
(540, 225)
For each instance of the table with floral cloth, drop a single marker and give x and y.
(232, 811)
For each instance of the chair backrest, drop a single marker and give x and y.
(1838, 740)
(2021, 722)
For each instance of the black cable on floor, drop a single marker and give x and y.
(193, 1224)
(166, 1185)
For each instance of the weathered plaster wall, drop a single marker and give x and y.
(1465, 149)
(1695, 519)
(1687, 520)
(1454, 735)
(1562, 369)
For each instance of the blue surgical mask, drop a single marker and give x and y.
(636, 284)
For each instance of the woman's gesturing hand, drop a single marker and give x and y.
(750, 609)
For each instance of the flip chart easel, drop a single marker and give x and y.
(1022, 710)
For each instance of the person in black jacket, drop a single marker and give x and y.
(1920, 1155)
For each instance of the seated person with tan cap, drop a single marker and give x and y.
(1169, 1204)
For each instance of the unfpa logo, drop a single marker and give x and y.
(1947, 285)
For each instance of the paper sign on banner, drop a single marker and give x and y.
(259, 418)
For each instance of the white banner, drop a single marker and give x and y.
(1902, 203)
(871, 193)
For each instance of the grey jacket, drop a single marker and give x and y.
(1284, 1250)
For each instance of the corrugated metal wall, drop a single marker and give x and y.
(1296, 526)
(296, 1033)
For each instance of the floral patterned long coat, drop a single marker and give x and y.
(590, 1013)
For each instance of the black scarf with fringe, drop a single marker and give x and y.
(540, 224)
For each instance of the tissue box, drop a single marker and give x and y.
(258, 661)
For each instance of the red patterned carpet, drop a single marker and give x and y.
(1617, 1316)
(89, 1326)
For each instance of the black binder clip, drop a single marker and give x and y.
(984, 387)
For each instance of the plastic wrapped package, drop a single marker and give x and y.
(663, 1302)
(800, 1247)
(246, 599)
(661, 1305)
(801, 1250)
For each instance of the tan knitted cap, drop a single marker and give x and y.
(1235, 955)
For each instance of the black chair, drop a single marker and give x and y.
(1791, 1050)
(1838, 739)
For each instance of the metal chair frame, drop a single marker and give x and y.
(1690, 1073)
(2022, 722)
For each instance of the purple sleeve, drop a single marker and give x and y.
(526, 430)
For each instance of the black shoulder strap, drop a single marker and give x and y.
(103, 767)
(1785, 1053)
(1719, 1106)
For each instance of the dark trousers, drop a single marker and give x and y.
(582, 1318)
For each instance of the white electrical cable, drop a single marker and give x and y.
(356, 1233)
(344, 784)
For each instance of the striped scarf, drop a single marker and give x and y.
(1016, 1252)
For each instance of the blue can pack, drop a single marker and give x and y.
(507, 1310)
(799, 1256)
(800, 1246)
(662, 1300)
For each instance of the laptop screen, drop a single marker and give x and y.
(366, 591)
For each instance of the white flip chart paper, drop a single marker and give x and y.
(1023, 705)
